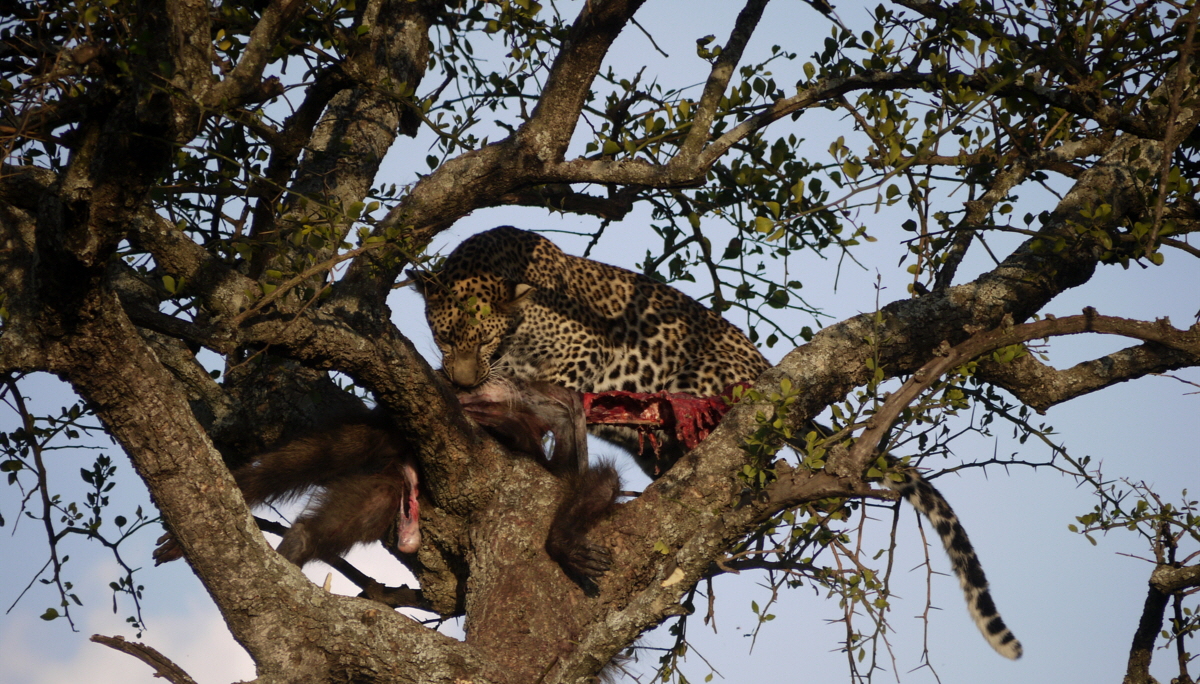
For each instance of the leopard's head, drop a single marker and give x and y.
(470, 317)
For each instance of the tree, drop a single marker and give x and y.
(182, 177)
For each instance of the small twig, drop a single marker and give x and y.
(308, 273)
(43, 479)
(1180, 244)
(643, 30)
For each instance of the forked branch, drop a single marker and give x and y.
(1160, 332)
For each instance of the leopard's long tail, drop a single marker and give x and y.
(930, 502)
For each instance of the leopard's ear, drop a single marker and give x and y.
(420, 280)
(518, 297)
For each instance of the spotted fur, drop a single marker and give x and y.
(930, 502)
(509, 302)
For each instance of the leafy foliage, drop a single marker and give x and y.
(219, 171)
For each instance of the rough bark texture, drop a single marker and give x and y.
(75, 310)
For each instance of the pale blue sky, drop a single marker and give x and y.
(1073, 605)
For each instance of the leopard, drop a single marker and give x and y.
(509, 302)
(511, 299)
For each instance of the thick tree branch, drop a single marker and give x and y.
(347, 146)
(865, 447)
(190, 44)
(245, 80)
(549, 129)
(1022, 284)
(1009, 176)
(287, 145)
(451, 452)
(718, 80)
(224, 291)
(710, 522)
(1019, 287)
(287, 287)
(211, 403)
(1171, 580)
(1040, 386)
(23, 186)
(562, 198)
(1142, 649)
(19, 348)
(266, 601)
(163, 667)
